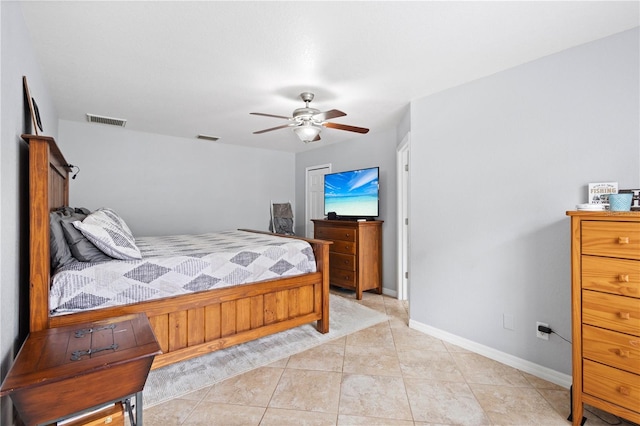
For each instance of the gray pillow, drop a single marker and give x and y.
(59, 249)
(81, 248)
(60, 252)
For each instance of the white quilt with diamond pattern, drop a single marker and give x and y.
(179, 264)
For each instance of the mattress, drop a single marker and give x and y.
(179, 264)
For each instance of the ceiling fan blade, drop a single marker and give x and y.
(328, 115)
(273, 128)
(346, 127)
(270, 115)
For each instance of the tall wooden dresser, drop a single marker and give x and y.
(605, 302)
(355, 257)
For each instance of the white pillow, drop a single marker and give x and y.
(118, 220)
(108, 231)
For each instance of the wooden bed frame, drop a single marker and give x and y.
(187, 325)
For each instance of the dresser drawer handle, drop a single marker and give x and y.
(622, 353)
(624, 390)
(623, 278)
(347, 235)
(624, 315)
(346, 262)
(347, 248)
(623, 240)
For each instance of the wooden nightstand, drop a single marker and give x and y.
(63, 371)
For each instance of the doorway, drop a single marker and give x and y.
(314, 195)
(402, 163)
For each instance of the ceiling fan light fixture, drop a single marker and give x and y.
(308, 122)
(307, 132)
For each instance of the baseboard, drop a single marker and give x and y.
(545, 373)
(391, 293)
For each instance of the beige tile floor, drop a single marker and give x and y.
(387, 374)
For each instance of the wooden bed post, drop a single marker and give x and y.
(48, 189)
(322, 260)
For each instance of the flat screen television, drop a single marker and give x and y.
(353, 194)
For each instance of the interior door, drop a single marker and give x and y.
(403, 218)
(314, 197)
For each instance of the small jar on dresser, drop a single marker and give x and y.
(605, 304)
(355, 257)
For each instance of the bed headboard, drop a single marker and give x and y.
(48, 190)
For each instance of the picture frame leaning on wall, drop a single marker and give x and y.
(36, 122)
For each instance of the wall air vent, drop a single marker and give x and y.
(208, 138)
(92, 118)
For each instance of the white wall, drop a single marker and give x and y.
(17, 60)
(166, 185)
(495, 164)
(370, 150)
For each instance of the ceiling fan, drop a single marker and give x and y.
(307, 122)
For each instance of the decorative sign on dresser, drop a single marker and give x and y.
(605, 302)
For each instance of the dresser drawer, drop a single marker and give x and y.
(612, 239)
(335, 233)
(609, 347)
(613, 385)
(342, 261)
(616, 276)
(345, 247)
(618, 313)
(342, 277)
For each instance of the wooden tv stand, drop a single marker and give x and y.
(355, 257)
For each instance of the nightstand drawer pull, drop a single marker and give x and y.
(623, 240)
(624, 390)
(623, 278)
(624, 315)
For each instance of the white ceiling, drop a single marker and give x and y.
(182, 68)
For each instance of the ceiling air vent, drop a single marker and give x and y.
(92, 118)
(208, 138)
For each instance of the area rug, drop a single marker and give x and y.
(345, 317)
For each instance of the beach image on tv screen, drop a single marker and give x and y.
(353, 193)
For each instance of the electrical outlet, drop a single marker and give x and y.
(540, 334)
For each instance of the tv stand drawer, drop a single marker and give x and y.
(340, 261)
(336, 233)
(345, 247)
(343, 278)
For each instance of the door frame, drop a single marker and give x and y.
(402, 180)
(307, 213)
